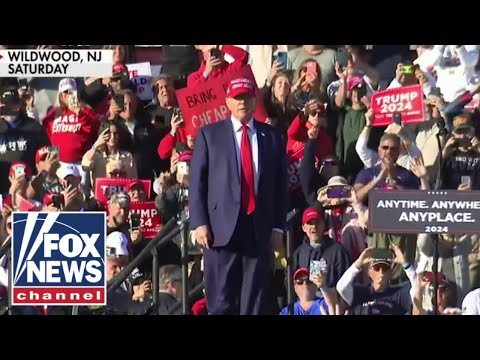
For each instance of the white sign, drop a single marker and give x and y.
(141, 75)
(56, 63)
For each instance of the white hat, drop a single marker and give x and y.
(67, 169)
(337, 180)
(118, 241)
(67, 84)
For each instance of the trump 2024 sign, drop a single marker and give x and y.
(58, 258)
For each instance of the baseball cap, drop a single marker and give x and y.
(185, 156)
(310, 214)
(337, 180)
(240, 86)
(20, 164)
(354, 82)
(136, 183)
(462, 122)
(41, 154)
(302, 272)
(67, 169)
(67, 84)
(118, 242)
(380, 261)
(10, 96)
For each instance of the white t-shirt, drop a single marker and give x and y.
(471, 303)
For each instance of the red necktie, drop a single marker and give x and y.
(248, 185)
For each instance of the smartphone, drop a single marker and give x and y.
(464, 142)
(120, 101)
(215, 52)
(178, 113)
(57, 201)
(408, 69)
(182, 168)
(436, 92)
(397, 118)
(135, 221)
(337, 193)
(53, 150)
(73, 101)
(70, 182)
(342, 57)
(386, 254)
(466, 181)
(282, 58)
(312, 68)
(315, 268)
(19, 172)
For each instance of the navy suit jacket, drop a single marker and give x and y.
(215, 185)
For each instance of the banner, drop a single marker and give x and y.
(406, 100)
(104, 187)
(205, 104)
(293, 169)
(151, 222)
(141, 75)
(416, 212)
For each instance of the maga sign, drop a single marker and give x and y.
(415, 212)
(106, 187)
(150, 220)
(205, 104)
(406, 100)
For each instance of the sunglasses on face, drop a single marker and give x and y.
(302, 281)
(118, 173)
(383, 267)
(386, 147)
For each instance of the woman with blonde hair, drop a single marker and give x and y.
(71, 126)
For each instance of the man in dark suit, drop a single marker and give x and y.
(238, 204)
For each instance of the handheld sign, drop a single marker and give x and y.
(106, 187)
(407, 101)
(205, 104)
(141, 75)
(416, 212)
(150, 220)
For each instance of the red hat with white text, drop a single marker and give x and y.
(240, 86)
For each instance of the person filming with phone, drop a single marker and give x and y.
(214, 64)
(20, 136)
(317, 246)
(378, 297)
(461, 156)
(71, 126)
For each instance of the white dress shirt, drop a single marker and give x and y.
(252, 135)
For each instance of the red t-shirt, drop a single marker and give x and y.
(73, 135)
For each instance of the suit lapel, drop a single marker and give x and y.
(231, 147)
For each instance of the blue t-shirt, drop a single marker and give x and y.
(313, 310)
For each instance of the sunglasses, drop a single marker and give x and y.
(393, 148)
(302, 281)
(118, 173)
(384, 267)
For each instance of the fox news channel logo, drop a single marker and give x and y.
(58, 258)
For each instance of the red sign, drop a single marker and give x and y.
(293, 169)
(104, 188)
(205, 104)
(406, 100)
(150, 220)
